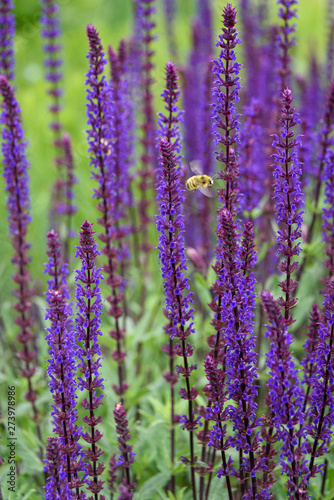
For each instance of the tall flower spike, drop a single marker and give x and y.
(237, 287)
(62, 367)
(88, 320)
(56, 270)
(226, 92)
(287, 40)
(145, 13)
(51, 32)
(127, 456)
(68, 207)
(102, 158)
(7, 32)
(18, 206)
(285, 397)
(289, 200)
(178, 299)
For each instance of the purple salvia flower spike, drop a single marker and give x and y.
(55, 268)
(287, 39)
(226, 92)
(51, 33)
(68, 207)
(216, 412)
(321, 411)
(288, 200)
(178, 299)
(50, 30)
(169, 129)
(53, 468)
(62, 369)
(7, 33)
(310, 347)
(145, 17)
(285, 397)
(18, 205)
(237, 289)
(169, 121)
(87, 324)
(328, 221)
(170, 10)
(102, 159)
(126, 459)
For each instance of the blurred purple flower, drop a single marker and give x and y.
(287, 39)
(87, 326)
(126, 459)
(7, 33)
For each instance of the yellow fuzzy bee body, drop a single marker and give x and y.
(200, 181)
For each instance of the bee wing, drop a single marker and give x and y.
(210, 192)
(196, 167)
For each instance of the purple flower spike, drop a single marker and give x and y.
(172, 256)
(328, 220)
(50, 30)
(169, 123)
(146, 13)
(18, 206)
(7, 33)
(102, 159)
(62, 369)
(55, 268)
(226, 92)
(127, 456)
(321, 411)
(289, 200)
(285, 397)
(287, 40)
(89, 305)
(310, 347)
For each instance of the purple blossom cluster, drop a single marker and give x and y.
(100, 134)
(226, 92)
(87, 325)
(66, 453)
(288, 200)
(7, 32)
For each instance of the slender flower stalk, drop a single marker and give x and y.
(169, 129)
(127, 456)
(289, 200)
(226, 92)
(51, 32)
(310, 347)
(145, 13)
(52, 468)
(285, 397)
(62, 369)
(68, 207)
(18, 206)
(87, 325)
(100, 134)
(328, 220)
(7, 33)
(287, 40)
(176, 285)
(170, 9)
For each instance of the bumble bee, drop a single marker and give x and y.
(200, 181)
